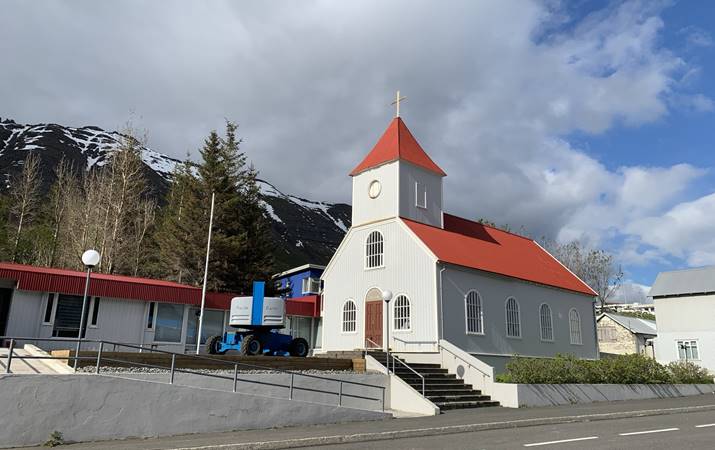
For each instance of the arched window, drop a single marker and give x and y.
(513, 322)
(475, 316)
(349, 317)
(575, 327)
(547, 327)
(402, 313)
(374, 250)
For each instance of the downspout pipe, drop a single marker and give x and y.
(441, 309)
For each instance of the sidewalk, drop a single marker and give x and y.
(450, 422)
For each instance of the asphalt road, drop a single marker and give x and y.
(677, 431)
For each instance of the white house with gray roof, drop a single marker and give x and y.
(685, 313)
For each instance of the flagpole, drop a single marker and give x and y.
(206, 272)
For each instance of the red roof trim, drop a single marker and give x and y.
(71, 282)
(397, 143)
(473, 245)
(308, 306)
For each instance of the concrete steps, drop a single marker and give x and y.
(442, 388)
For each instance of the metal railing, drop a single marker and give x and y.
(469, 364)
(390, 356)
(101, 357)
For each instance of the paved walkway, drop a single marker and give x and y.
(25, 366)
(450, 419)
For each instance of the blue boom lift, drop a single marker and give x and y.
(257, 320)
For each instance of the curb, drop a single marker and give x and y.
(437, 431)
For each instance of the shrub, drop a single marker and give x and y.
(689, 373)
(621, 369)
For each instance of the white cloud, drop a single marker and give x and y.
(493, 87)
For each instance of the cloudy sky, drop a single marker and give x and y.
(584, 120)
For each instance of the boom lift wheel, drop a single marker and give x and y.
(213, 344)
(251, 345)
(299, 347)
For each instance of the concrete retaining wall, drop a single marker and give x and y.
(525, 395)
(277, 385)
(97, 407)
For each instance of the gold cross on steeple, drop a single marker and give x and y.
(397, 101)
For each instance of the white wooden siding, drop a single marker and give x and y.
(366, 209)
(411, 174)
(409, 270)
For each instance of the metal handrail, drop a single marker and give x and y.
(413, 371)
(414, 342)
(376, 345)
(464, 360)
(172, 369)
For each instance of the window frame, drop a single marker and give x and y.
(518, 316)
(150, 317)
(689, 341)
(369, 246)
(51, 296)
(408, 307)
(480, 313)
(343, 321)
(571, 328)
(184, 314)
(308, 280)
(417, 195)
(550, 324)
(93, 318)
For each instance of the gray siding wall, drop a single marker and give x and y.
(26, 309)
(494, 291)
(409, 175)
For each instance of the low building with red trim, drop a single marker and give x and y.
(485, 291)
(46, 302)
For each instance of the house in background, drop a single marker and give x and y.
(685, 312)
(624, 335)
(300, 286)
(47, 303)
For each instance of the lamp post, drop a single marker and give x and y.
(387, 296)
(90, 259)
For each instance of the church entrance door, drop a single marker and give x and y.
(373, 324)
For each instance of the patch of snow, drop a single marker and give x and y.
(299, 243)
(271, 212)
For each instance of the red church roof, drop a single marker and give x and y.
(471, 244)
(397, 143)
(45, 279)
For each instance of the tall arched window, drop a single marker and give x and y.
(475, 316)
(513, 322)
(402, 313)
(374, 250)
(547, 327)
(349, 317)
(575, 327)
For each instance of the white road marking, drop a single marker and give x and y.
(706, 425)
(536, 444)
(648, 432)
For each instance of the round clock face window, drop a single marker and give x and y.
(375, 189)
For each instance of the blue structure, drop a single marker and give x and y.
(300, 281)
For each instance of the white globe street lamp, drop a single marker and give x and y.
(387, 296)
(90, 259)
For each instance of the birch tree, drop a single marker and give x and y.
(24, 200)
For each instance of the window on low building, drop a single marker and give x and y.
(688, 350)
(547, 327)
(349, 317)
(67, 316)
(513, 321)
(402, 313)
(607, 333)
(48, 308)
(213, 325)
(374, 250)
(311, 285)
(473, 310)
(95, 312)
(575, 327)
(169, 322)
(150, 316)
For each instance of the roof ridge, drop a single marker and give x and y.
(493, 227)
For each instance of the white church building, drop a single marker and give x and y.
(491, 293)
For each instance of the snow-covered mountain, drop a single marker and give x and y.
(306, 231)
